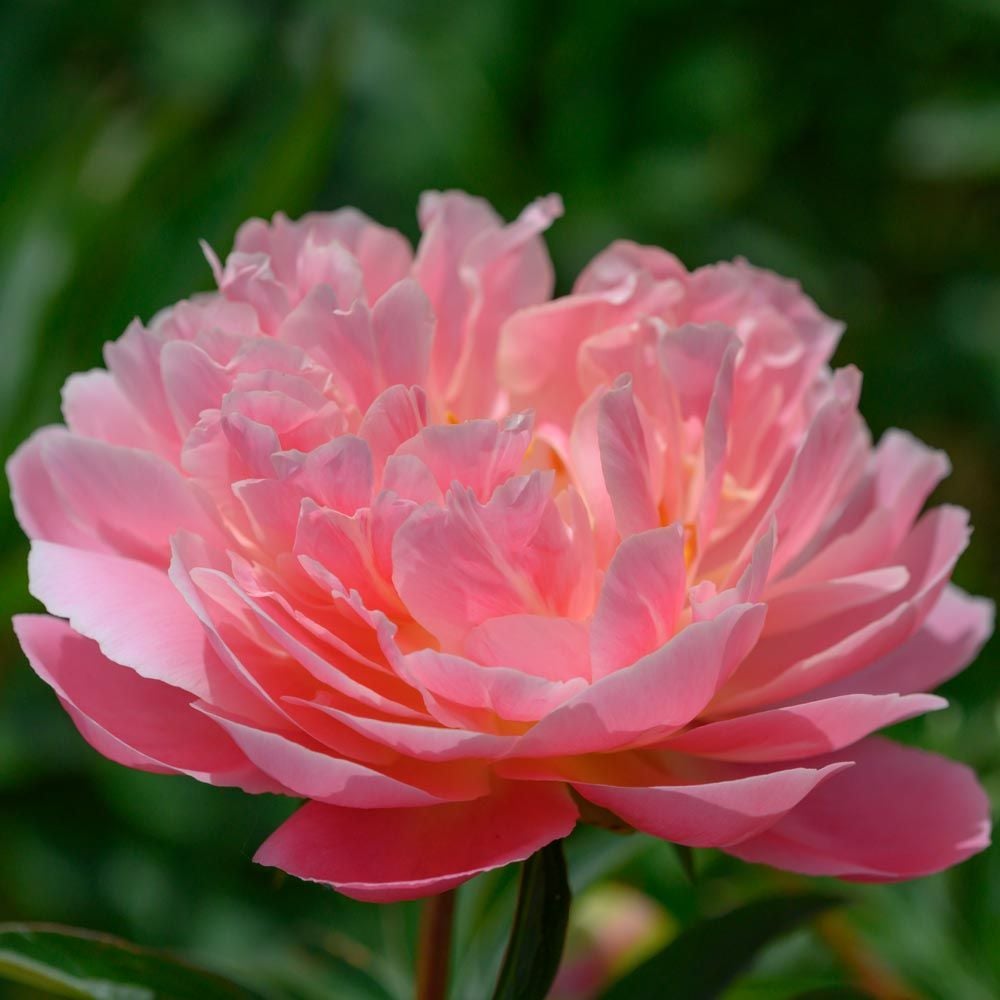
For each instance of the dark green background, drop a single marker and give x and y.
(855, 145)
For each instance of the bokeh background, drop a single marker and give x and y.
(853, 145)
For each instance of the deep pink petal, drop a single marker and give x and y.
(383, 855)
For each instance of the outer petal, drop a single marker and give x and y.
(383, 855)
(801, 730)
(131, 609)
(106, 497)
(947, 642)
(134, 721)
(898, 813)
(710, 815)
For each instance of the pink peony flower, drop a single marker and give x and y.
(455, 562)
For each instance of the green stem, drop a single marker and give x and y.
(539, 932)
(434, 946)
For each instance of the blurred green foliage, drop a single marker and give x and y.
(853, 145)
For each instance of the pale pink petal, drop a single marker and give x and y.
(624, 260)
(109, 497)
(898, 813)
(457, 566)
(94, 406)
(479, 454)
(395, 416)
(340, 339)
(383, 855)
(403, 330)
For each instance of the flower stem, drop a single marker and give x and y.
(434, 946)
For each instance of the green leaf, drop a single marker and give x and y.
(76, 963)
(706, 957)
(536, 940)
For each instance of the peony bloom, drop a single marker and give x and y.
(457, 563)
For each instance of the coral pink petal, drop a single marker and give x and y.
(710, 815)
(642, 595)
(898, 813)
(132, 720)
(655, 696)
(554, 648)
(804, 730)
(369, 854)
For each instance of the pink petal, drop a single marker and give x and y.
(340, 339)
(626, 461)
(655, 696)
(317, 775)
(94, 406)
(425, 742)
(403, 328)
(948, 641)
(395, 416)
(129, 608)
(383, 855)
(783, 667)
(457, 566)
(506, 693)
(553, 648)
(710, 815)
(134, 721)
(898, 813)
(479, 454)
(109, 498)
(804, 730)
(642, 595)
